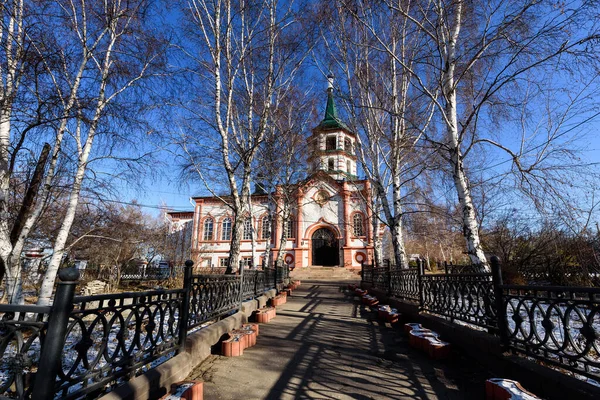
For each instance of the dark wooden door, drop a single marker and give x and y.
(325, 249)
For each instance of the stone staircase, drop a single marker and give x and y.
(325, 273)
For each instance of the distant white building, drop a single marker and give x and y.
(330, 223)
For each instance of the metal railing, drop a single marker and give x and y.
(111, 337)
(85, 345)
(22, 332)
(559, 325)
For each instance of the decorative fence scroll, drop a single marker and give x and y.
(381, 277)
(111, 337)
(22, 331)
(559, 325)
(106, 339)
(464, 297)
(255, 283)
(404, 284)
(212, 296)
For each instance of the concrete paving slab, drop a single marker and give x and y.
(325, 345)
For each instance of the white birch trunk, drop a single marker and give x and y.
(47, 287)
(5, 243)
(470, 225)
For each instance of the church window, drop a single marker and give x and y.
(247, 229)
(247, 262)
(208, 229)
(289, 229)
(331, 143)
(348, 146)
(348, 167)
(226, 229)
(358, 225)
(265, 227)
(330, 164)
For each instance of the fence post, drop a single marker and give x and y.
(389, 276)
(278, 276)
(256, 288)
(185, 305)
(420, 273)
(241, 284)
(499, 302)
(446, 267)
(362, 271)
(52, 350)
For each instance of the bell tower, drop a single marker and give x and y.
(332, 144)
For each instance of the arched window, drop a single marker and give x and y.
(209, 225)
(226, 229)
(348, 146)
(330, 143)
(358, 225)
(247, 229)
(331, 164)
(289, 228)
(266, 231)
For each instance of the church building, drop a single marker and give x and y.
(330, 223)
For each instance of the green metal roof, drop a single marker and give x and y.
(331, 120)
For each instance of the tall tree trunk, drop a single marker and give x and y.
(5, 242)
(377, 242)
(63, 233)
(470, 225)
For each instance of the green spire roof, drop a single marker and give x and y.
(331, 120)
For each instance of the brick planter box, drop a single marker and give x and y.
(388, 314)
(370, 300)
(234, 346)
(427, 341)
(264, 315)
(505, 389)
(279, 300)
(186, 390)
(254, 327)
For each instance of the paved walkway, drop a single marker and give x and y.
(324, 345)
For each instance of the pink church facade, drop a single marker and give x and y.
(330, 221)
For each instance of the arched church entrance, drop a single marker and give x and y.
(325, 249)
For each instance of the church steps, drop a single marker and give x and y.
(317, 272)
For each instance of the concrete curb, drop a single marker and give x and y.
(156, 382)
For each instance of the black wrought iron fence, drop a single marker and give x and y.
(367, 273)
(404, 284)
(381, 277)
(464, 297)
(111, 337)
(212, 296)
(22, 331)
(105, 339)
(150, 273)
(558, 325)
(270, 275)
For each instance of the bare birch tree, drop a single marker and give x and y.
(108, 55)
(382, 104)
(282, 163)
(28, 106)
(247, 51)
(479, 54)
